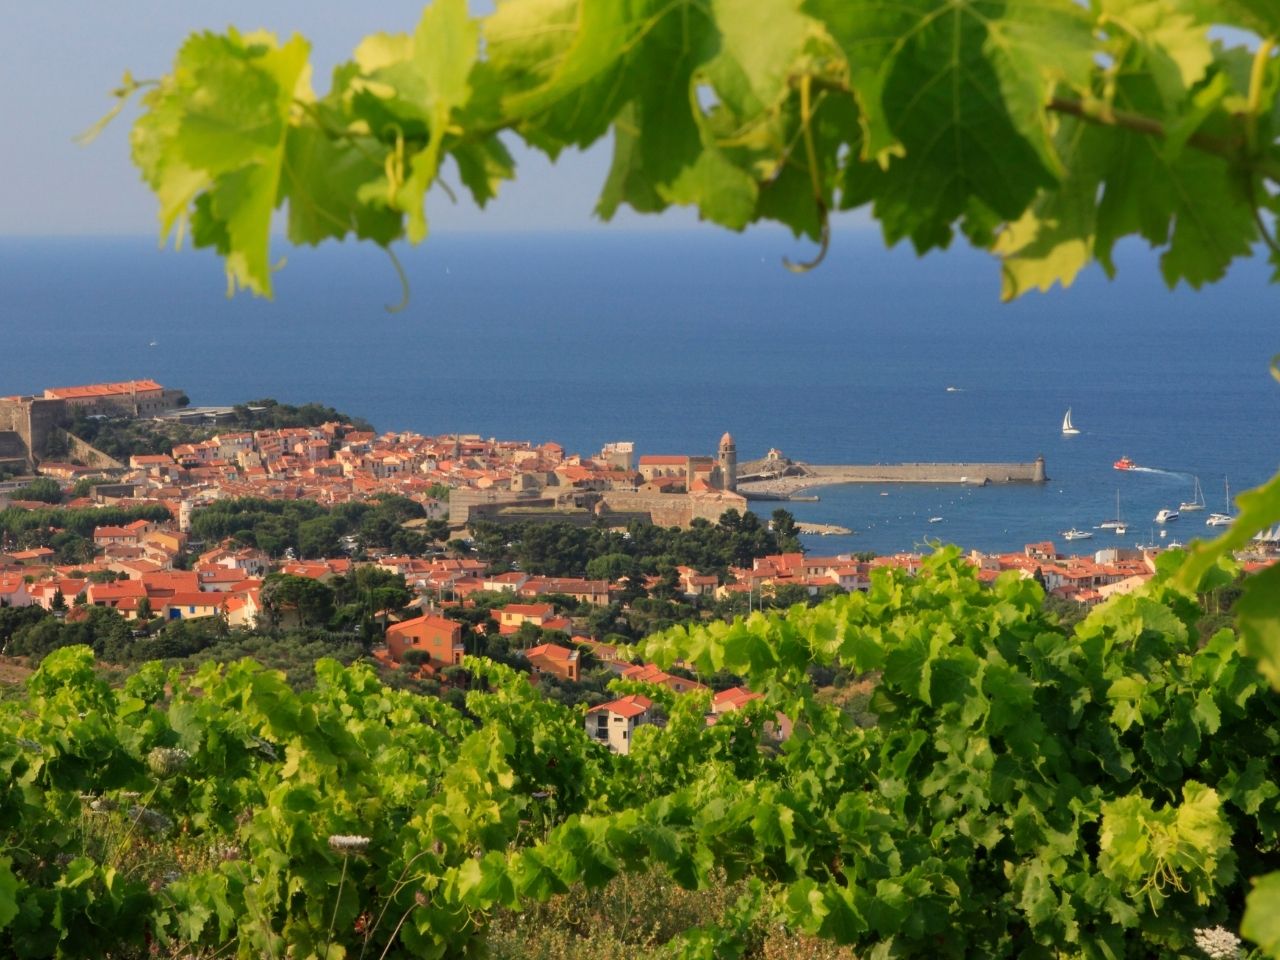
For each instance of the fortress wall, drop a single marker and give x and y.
(91, 456)
(666, 510)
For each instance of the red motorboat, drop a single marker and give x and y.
(1124, 463)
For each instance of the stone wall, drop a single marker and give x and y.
(1032, 472)
(82, 452)
(34, 420)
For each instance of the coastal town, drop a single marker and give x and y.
(156, 569)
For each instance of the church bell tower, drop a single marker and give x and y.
(728, 462)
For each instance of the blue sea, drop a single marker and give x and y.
(670, 338)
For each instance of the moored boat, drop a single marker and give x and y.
(1196, 502)
(1074, 534)
(1117, 524)
(1221, 519)
(1166, 515)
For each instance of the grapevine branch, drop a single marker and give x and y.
(1096, 111)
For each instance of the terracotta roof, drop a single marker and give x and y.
(629, 706)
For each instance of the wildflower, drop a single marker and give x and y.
(151, 820)
(227, 852)
(166, 761)
(347, 845)
(102, 805)
(541, 794)
(421, 898)
(437, 847)
(1218, 943)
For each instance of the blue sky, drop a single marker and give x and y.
(63, 57)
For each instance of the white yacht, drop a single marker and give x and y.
(1196, 502)
(1068, 429)
(1166, 515)
(1074, 534)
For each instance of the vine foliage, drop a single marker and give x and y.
(1044, 132)
(1025, 791)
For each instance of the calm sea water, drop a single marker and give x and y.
(669, 339)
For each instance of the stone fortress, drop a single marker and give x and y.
(670, 490)
(31, 425)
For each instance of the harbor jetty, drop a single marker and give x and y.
(778, 478)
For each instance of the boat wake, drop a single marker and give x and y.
(1167, 473)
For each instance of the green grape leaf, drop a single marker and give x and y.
(217, 124)
(1258, 618)
(325, 183)
(562, 62)
(482, 166)
(1260, 16)
(445, 47)
(958, 90)
(1190, 201)
(1261, 922)
(8, 893)
(1170, 44)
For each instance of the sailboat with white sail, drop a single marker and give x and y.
(1196, 502)
(1068, 428)
(1118, 525)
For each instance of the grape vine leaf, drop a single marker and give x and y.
(215, 134)
(8, 893)
(1261, 922)
(952, 98)
(1258, 618)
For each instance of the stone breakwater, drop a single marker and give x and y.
(823, 529)
(803, 476)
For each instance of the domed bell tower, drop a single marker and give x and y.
(728, 462)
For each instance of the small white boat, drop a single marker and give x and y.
(935, 519)
(1068, 429)
(1120, 528)
(1074, 534)
(1166, 515)
(1196, 502)
(953, 389)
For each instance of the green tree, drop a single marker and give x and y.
(44, 489)
(318, 538)
(310, 599)
(785, 529)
